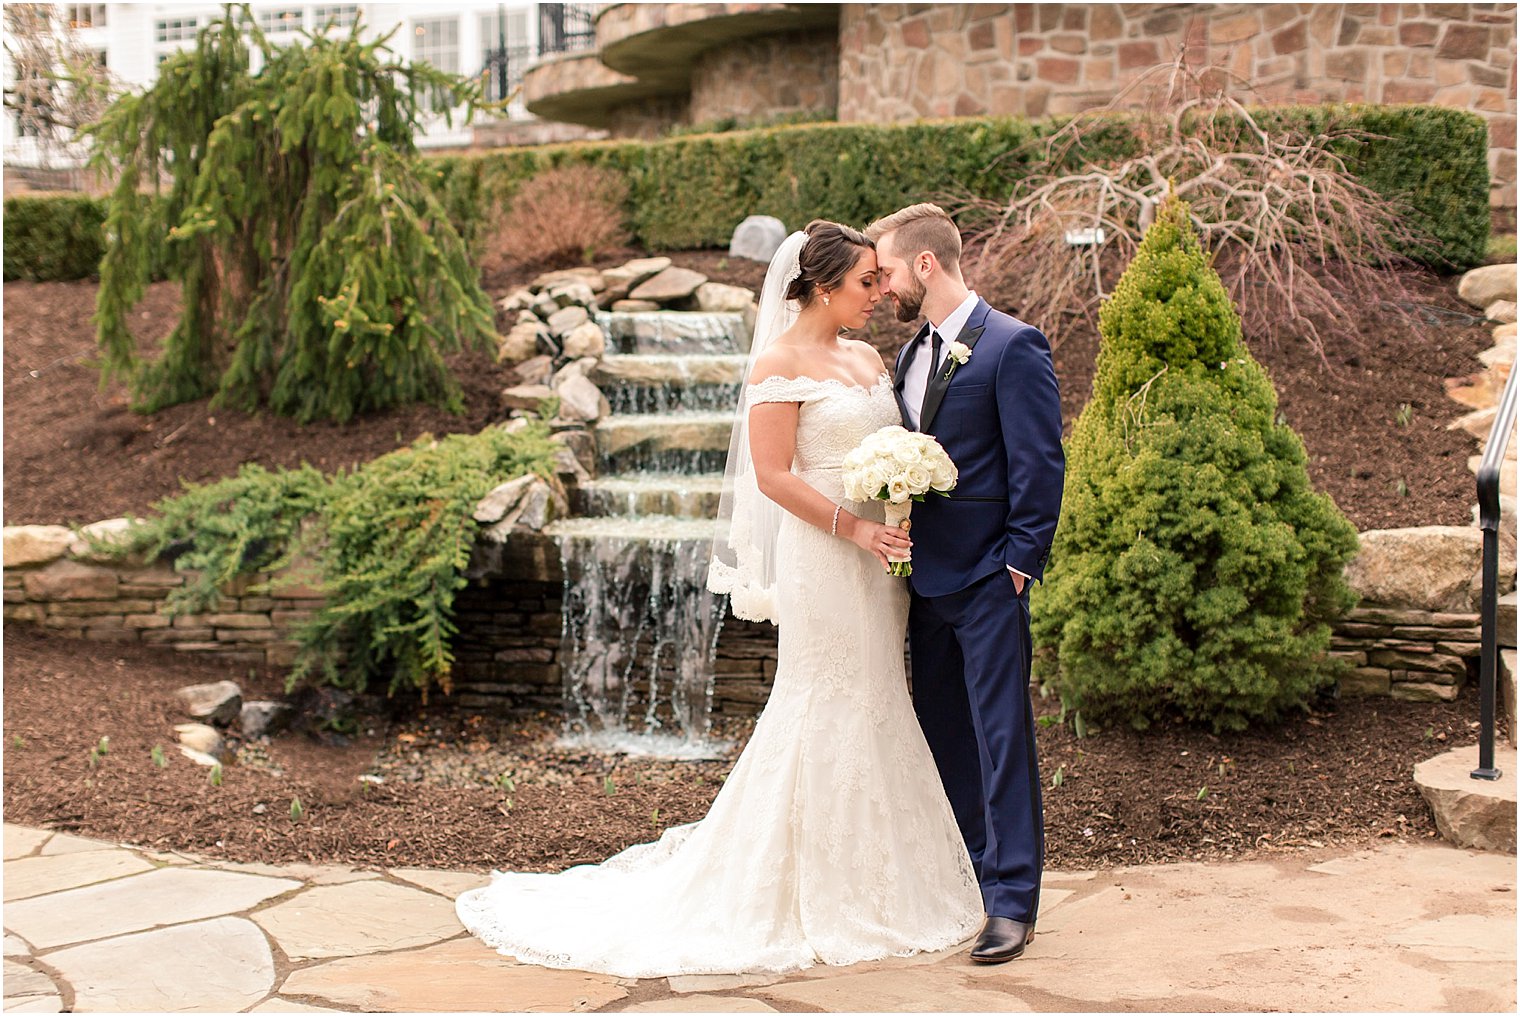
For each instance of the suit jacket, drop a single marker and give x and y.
(998, 417)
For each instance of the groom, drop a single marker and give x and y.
(997, 413)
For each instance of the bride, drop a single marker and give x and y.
(831, 840)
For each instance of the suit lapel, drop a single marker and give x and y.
(940, 382)
(900, 371)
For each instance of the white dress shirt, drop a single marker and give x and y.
(916, 379)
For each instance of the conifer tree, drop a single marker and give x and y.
(320, 275)
(1195, 572)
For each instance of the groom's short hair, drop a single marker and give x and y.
(921, 227)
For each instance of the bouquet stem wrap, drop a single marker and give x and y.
(899, 467)
(897, 516)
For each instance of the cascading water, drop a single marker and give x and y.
(640, 627)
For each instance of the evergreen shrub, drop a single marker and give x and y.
(1195, 573)
(387, 543)
(320, 275)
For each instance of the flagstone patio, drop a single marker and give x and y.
(94, 926)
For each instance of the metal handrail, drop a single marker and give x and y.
(1488, 521)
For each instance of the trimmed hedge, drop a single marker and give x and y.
(692, 191)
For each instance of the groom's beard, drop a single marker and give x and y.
(908, 301)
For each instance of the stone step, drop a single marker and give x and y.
(1469, 812)
(688, 442)
(677, 494)
(666, 383)
(653, 528)
(670, 331)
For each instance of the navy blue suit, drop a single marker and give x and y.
(998, 416)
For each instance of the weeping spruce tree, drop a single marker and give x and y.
(1195, 572)
(320, 275)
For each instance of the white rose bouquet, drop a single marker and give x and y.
(898, 466)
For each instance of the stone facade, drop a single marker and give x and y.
(760, 79)
(648, 118)
(906, 61)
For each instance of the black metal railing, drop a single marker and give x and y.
(1489, 511)
(564, 28)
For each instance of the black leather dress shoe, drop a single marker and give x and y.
(1001, 939)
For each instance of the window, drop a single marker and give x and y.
(519, 53)
(175, 29)
(87, 15)
(437, 42)
(334, 16)
(284, 19)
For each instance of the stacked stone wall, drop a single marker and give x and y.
(508, 650)
(53, 580)
(906, 61)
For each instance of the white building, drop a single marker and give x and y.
(132, 39)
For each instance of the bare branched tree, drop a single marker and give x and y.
(1302, 245)
(60, 84)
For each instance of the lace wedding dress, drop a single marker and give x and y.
(831, 841)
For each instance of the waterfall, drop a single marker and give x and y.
(640, 628)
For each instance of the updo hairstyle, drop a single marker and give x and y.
(827, 256)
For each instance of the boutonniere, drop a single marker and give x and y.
(957, 353)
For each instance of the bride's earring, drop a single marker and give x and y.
(825, 299)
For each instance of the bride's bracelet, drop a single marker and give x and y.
(834, 529)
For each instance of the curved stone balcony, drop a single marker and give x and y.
(660, 42)
(646, 51)
(578, 88)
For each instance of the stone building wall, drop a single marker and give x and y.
(649, 119)
(766, 77)
(907, 61)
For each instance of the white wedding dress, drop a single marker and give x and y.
(832, 840)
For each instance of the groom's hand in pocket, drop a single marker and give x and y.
(1020, 580)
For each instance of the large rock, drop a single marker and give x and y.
(535, 371)
(70, 580)
(1506, 618)
(1502, 311)
(1484, 286)
(261, 718)
(1469, 812)
(1429, 568)
(573, 294)
(584, 367)
(219, 702)
(586, 340)
(566, 320)
(502, 499)
(757, 238)
(540, 504)
(718, 298)
(589, 277)
(519, 299)
(108, 532)
(580, 399)
(528, 397)
(634, 306)
(669, 286)
(26, 545)
(634, 272)
(200, 738)
(519, 344)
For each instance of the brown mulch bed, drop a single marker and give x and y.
(75, 453)
(1337, 777)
